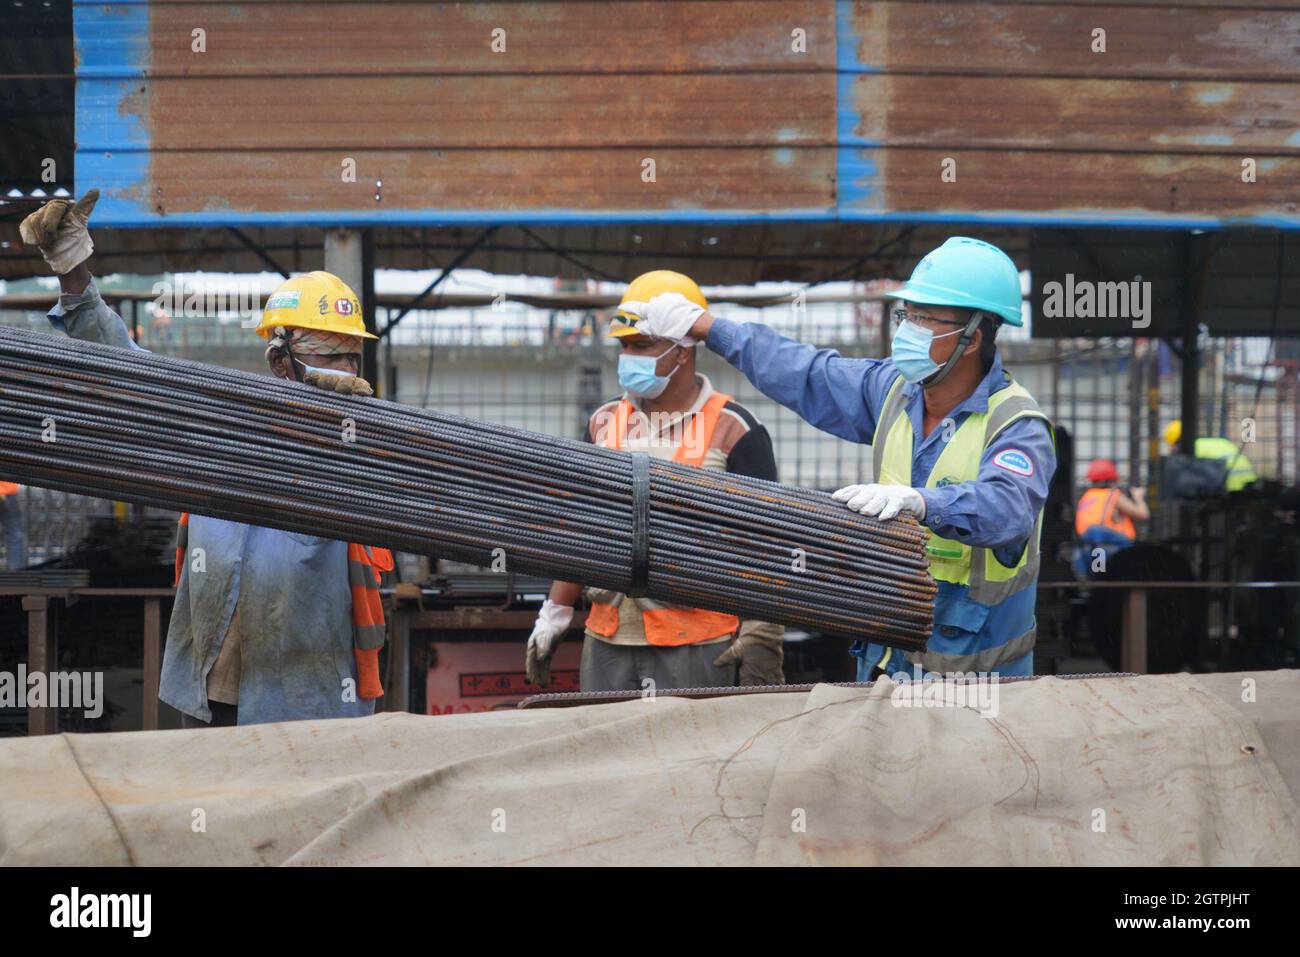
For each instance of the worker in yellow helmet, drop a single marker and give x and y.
(267, 625)
(1240, 471)
(671, 412)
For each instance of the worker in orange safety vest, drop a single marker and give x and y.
(1104, 517)
(670, 412)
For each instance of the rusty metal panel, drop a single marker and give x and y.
(1031, 125)
(335, 114)
(1055, 39)
(751, 111)
(1077, 114)
(378, 38)
(1083, 188)
(450, 185)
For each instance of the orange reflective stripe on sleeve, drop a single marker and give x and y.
(367, 606)
(182, 545)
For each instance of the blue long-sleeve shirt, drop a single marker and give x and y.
(295, 617)
(845, 396)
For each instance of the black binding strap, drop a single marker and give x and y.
(640, 523)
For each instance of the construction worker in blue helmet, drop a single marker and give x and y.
(956, 445)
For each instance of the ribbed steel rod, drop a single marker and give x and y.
(177, 434)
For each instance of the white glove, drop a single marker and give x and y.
(669, 315)
(59, 230)
(552, 624)
(882, 501)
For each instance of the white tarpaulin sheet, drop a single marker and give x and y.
(1176, 769)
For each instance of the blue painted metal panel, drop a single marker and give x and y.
(112, 51)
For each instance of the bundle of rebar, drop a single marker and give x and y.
(167, 432)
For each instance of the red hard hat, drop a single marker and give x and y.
(1103, 470)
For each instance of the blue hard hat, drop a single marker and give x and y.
(969, 273)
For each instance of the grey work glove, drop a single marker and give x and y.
(61, 232)
(759, 652)
(336, 380)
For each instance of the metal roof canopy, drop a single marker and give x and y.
(41, 301)
(1249, 279)
(752, 112)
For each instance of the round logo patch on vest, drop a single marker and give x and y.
(1014, 461)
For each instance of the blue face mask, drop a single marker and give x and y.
(637, 375)
(911, 351)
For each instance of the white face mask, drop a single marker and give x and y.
(322, 370)
(637, 374)
(308, 367)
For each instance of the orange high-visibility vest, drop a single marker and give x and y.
(8, 488)
(669, 626)
(1097, 507)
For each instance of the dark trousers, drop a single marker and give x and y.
(223, 716)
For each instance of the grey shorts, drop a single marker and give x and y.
(607, 667)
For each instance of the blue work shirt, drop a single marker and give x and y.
(845, 396)
(292, 592)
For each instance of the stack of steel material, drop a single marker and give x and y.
(46, 578)
(177, 434)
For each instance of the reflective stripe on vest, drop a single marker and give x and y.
(982, 661)
(665, 625)
(987, 581)
(1097, 507)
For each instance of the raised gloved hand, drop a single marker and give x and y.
(882, 501)
(669, 315)
(60, 231)
(336, 380)
(758, 650)
(552, 624)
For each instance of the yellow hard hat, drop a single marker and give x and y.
(317, 300)
(644, 288)
(1173, 432)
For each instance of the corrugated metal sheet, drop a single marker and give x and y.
(741, 127)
